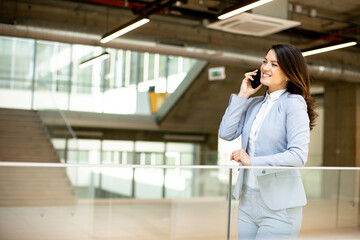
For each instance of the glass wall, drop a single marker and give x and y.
(31, 71)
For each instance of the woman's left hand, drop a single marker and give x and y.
(241, 156)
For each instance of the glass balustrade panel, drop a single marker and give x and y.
(107, 202)
(332, 209)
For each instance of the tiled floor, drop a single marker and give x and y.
(138, 220)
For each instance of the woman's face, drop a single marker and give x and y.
(271, 73)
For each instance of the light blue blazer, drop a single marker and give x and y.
(282, 141)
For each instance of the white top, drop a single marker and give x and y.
(269, 100)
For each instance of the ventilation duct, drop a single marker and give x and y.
(253, 25)
(329, 70)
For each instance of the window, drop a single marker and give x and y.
(116, 85)
(16, 63)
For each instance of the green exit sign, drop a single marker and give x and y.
(217, 73)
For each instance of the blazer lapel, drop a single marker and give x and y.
(247, 129)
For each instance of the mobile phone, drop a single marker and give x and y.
(256, 82)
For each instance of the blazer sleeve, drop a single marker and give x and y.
(233, 119)
(297, 137)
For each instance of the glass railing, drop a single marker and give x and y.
(332, 209)
(113, 201)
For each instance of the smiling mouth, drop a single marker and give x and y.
(266, 75)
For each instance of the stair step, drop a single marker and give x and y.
(59, 184)
(40, 194)
(37, 202)
(21, 131)
(38, 160)
(19, 120)
(41, 149)
(44, 147)
(16, 111)
(29, 156)
(32, 170)
(37, 154)
(31, 177)
(16, 124)
(25, 137)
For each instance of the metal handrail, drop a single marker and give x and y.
(36, 164)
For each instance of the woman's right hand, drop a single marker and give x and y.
(245, 89)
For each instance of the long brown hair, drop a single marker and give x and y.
(294, 65)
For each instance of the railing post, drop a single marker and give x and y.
(33, 76)
(229, 208)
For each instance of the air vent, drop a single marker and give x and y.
(253, 25)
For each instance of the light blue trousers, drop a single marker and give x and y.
(257, 221)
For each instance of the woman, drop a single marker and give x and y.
(275, 131)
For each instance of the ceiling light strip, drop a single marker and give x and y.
(94, 60)
(327, 49)
(243, 9)
(124, 30)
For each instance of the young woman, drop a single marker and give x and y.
(275, 131)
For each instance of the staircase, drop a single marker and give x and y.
(23, 139)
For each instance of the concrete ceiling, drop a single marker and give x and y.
(180, 29)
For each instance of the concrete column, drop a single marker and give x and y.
(209, 150)
(342, 148)
(208, 156)
(341, 125)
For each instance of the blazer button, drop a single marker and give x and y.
(263, 172)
